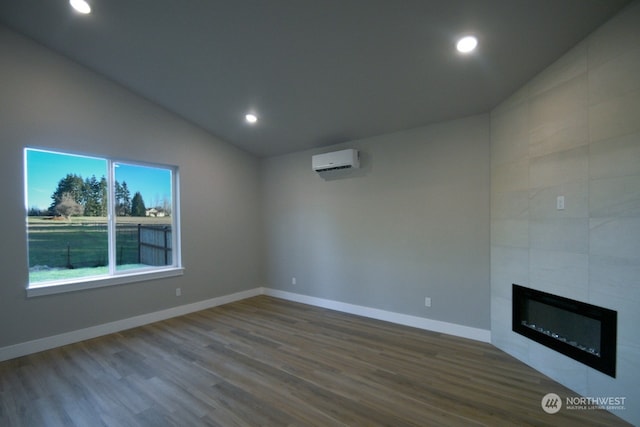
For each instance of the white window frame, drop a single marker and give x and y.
(115, 277)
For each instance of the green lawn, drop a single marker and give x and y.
(76, 273)
(80, 244)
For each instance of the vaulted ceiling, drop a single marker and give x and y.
(315, 72)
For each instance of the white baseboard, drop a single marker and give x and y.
(46, 343)
(41, 344)
(476, 334)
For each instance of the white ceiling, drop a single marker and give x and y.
(316, 72)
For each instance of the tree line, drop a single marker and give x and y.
(75, 196)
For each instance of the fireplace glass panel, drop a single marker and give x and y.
(573, 328)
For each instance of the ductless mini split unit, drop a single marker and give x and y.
(343, 159)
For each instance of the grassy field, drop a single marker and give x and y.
(81, 243)
(76, 273)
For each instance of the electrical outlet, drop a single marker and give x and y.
(427, 302)
(178, 292)
(560, 203)
(293, 280)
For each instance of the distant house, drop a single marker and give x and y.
(153, 212)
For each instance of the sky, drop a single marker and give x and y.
(44, 169)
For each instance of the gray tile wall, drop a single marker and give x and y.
(573, 131)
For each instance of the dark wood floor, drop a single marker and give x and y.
(265, 361)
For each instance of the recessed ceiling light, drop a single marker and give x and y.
(467, 44)
(251, 118)
(80, 6)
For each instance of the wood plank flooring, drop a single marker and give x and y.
(269, 362)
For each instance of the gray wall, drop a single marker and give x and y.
(48, 101)
(573, 131)
(413, 222)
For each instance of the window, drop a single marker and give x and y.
(95, 222)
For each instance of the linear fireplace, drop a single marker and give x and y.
(584, 332)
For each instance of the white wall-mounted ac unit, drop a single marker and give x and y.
(343, 159)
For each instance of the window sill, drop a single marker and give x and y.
(51, 288)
